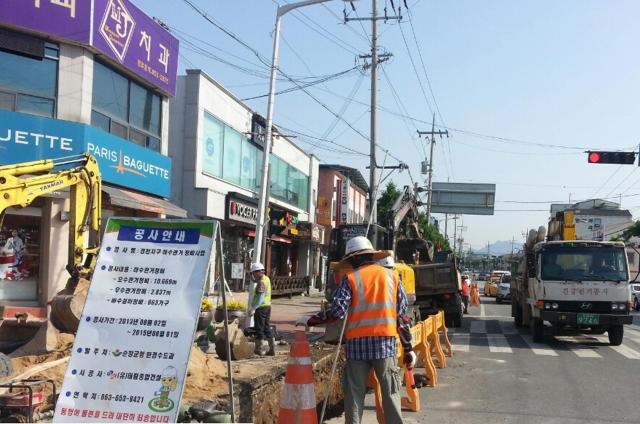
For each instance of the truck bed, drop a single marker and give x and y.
(437, 278)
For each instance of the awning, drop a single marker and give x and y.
(251, 233)
(133, 200)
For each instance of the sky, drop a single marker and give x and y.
(524, 88)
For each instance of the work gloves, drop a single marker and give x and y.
(409, 360)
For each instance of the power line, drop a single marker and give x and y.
(608, 179)
(623, 180)
(561, 201)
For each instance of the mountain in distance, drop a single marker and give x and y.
(499, 248)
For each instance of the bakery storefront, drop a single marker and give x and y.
(34, 239)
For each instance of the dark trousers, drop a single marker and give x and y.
(465, 301)
(261, 322)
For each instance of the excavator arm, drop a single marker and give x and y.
(405, 205)
(21, 184)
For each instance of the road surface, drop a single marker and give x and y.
(498, 375)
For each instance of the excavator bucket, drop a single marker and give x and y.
(67, 306)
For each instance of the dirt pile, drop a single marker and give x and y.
(206, 377)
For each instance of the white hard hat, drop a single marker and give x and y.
(257, 266)
(358, 244)
(387, 262)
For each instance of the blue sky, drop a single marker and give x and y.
(529, 74)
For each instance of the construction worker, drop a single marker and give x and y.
(465, 293)
(375, 306)
(260, 309)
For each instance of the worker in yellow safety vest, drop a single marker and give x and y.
(375, 306)
(260, 309)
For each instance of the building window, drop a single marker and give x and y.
(125, 109)
(228, 154)
(29, 84)
(288, 184)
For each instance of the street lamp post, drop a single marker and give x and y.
(264, 180)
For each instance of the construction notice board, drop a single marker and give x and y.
(130, 356)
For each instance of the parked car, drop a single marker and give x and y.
(503, 291)
(635, 295)
(482, 277)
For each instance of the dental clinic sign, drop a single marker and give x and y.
(26, 138)
(115, 28)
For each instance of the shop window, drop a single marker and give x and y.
(19, 258)
(29, 84)
(125, 109)
(288, 184)
(231, 159)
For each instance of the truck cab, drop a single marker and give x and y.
(574, 285)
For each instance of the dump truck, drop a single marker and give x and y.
(574, 285)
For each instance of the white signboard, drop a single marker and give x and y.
(237, 271)
(344, 202)
(130, 356)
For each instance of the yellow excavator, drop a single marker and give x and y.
(21, 184)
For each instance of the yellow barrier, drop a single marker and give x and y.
(440, 325)
(426, 343)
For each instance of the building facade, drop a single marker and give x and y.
(596, 219)
(80, 77)
(216, 145)
(342, 197)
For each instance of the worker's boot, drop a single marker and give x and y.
(259, 345)
(272, 347)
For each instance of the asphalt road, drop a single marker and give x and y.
(498, 375)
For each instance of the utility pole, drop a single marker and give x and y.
(373, 164)
(433, 134)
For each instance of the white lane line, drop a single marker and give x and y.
(632, 336)
(498, 344)
(508, 327)
(478, 327)
(460, 342)
(626, 351)
(481, 309)
(579, 345)
(539, 348)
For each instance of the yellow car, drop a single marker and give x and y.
(491, 285)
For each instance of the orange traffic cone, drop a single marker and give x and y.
(298, 401)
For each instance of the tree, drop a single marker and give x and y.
(385, 202)
(430, 232)
(632, 231)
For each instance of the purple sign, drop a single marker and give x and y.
(121, 31)
(124, 33)
(64, 18)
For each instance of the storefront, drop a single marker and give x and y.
(33, 240)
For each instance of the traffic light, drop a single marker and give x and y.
(622, 158)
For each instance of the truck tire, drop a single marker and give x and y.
(616, 333)
(537, 330)
(517, 315)
(498, 300)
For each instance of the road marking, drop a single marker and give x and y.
(627, 352)
(460, 342)
(508, 327)
(481, 309)
(478, 327)
(539, 348)
(633, 337)
(498, 344)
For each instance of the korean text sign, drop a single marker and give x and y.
(130, 356)
(115, 28)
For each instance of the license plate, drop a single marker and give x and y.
(588, 319)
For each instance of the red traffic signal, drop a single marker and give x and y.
(622, 158)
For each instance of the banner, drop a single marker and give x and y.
(130, 356)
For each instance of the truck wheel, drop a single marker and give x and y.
(537, 330)
(636, 304)
(498, 300)
(616, 333)
(457, 320)
(517, 315)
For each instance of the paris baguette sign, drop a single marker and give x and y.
(114, 28)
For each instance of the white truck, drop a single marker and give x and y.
(575, 285)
